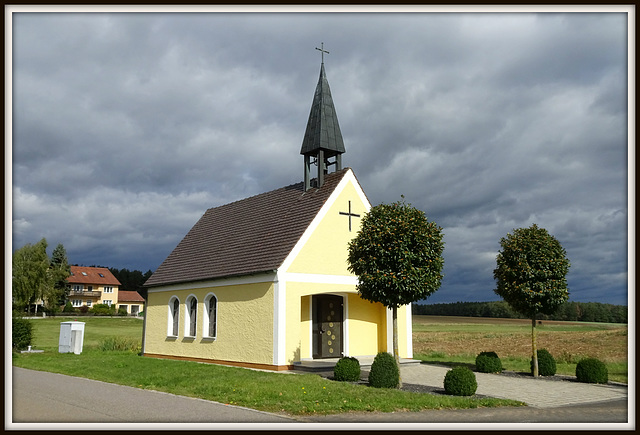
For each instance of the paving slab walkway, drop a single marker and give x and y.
(538, 392)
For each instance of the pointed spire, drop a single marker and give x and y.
(323, 130)
(322, 138)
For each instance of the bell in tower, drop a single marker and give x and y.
(322, 140)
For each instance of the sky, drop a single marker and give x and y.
(126, 127)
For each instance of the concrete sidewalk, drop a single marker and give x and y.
(537, 392)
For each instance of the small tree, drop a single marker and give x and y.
(29, 274)
(531, 276)
(36, 277)
(397, 256)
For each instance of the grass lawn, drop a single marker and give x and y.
(295, 394)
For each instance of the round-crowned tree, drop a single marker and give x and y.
(531, 275)
(397, 256)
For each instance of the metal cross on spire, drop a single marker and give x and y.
(322, 50)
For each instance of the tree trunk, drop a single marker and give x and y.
(534, 346)
(396, 354)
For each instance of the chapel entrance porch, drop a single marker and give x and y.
(325, 366)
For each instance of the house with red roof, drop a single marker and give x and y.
(131, 301)
(92, 285)
(263, 282)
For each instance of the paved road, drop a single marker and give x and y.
(41, 397)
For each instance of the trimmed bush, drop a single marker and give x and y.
(546, 363)
(347, 369)
(488, 362)
(592, 370)
(122, 311)
(21, 333)
(460, 381)
(384, 371)
(103, 310)
(68, 308)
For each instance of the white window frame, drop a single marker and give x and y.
(173, 317)
(78, 287)
(206, 317)
(88, 302)
(108, 302)
(76, 302)
(190, 319)
(107, 289)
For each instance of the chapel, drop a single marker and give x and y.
(263, 282)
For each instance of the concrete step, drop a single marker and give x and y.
(327, 364)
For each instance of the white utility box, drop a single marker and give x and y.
(71, 337)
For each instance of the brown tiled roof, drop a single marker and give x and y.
(249, 236)
(129, 296)
(91, 275)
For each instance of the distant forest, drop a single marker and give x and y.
(571, 311)
(132, 280)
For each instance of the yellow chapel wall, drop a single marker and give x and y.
(244, 324)
(325, 252)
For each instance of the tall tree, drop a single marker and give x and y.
(397, 256)
(30, 276)
(59, 270)
(531, 276)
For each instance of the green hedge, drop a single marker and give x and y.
(21, 333)
(347, 369)
(546, 363)
(460, 381)
(488, 362)
(592, 370)
(384, 371)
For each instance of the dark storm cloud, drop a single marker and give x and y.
(127, 127)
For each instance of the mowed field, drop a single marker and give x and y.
(462, 338)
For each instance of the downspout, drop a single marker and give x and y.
(144, 326)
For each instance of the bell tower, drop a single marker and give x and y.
(322, 138)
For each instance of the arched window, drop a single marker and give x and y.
(209, 325)
(174, 315)
(191, 316)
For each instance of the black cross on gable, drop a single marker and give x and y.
(350, 215)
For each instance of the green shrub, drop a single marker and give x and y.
(384, 371)
(488, 362)
(68, 308)
(122, 311)
(460, 381)
(546, 363)
(103, 310)
(120, 344)
(592, 370)
(21, 333)
(347, 369)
